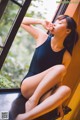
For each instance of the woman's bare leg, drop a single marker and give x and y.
(52, 78)
(29, 84)
(50, 103)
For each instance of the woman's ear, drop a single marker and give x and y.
(68, 31)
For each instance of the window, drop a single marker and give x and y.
(7, 20)
(18, 60)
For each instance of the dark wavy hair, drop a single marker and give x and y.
(72, 38)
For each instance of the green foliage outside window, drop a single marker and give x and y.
(18, 60)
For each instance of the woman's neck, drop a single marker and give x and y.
(57, 43)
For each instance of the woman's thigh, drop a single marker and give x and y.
(29, 84)
(32, 82)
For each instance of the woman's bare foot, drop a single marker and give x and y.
(30, 104)
(22, 117)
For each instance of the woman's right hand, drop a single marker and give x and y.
(47, 25)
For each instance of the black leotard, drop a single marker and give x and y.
(44, 57)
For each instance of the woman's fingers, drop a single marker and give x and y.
(49, 26)
(60, 111)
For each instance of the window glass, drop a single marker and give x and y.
(7, 21)
(19, 57)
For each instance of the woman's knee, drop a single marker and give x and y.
(25, 88)
(60, 69)
(66, 90)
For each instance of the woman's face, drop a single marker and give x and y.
(59, 27)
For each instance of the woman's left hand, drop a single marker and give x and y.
(60, 111)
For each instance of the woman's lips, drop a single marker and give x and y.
(52, 30)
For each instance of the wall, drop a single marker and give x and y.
(72, 79)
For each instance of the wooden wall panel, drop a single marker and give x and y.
(72, 78)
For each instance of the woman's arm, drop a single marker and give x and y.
(28, 23)
(66, 59)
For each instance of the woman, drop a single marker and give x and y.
(42, 85)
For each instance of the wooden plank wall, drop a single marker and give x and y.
(72, 78)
